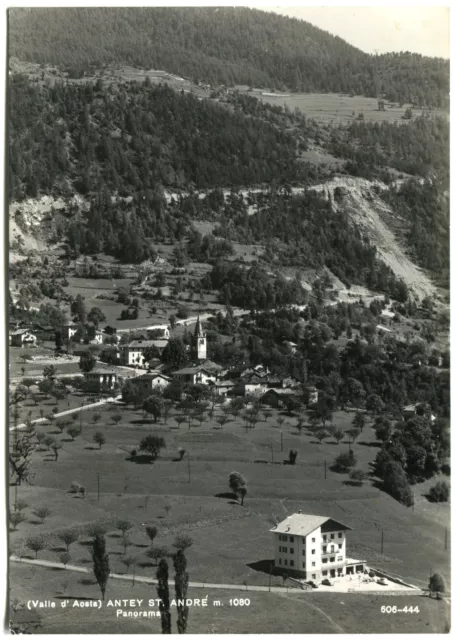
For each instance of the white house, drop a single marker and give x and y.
(152, 380)
(68, 330)
(313, 548)
(23, 338)
(104, 377)
(98, 337)
(131, 355)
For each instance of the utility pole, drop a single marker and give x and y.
(381, 550)
(446, 538)
(325, 469)
(281, 439)
(188, 465)
(98, 487)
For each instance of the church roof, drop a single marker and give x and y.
(198, 328)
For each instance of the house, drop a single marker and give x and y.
(104, 377)
(313, 547)
(196, 375)
(98, 337)
(68, 330)
(23, 338)
(159, 332)
(223, 387)
(152, 380)
(310, 395)
(132, 354)
(279, 398)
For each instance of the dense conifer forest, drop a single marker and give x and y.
(224, 46)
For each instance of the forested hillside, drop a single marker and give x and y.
(67, 138)
(224, 46)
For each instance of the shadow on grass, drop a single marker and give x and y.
(90, 447)
(85, 543)
(147, 565)
(376, 445)
(140, 459)
(352, 483)
(87, 581)
(226, 496)
(263, 566)
(142, 421)
(66, 440)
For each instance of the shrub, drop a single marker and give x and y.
(440, 492)
(358, 475)
(344, 462)
(446, 469)
(182, 542)
(75, 487)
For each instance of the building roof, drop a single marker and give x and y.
(160, 344)
(186, 372)
(198, 328)
(104, 372)
(301, 524)
(151, 375)
(20, 332)
(224, 383)
(285, 392)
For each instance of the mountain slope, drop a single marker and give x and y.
(224, 46)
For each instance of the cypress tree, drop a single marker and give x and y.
(100, 562)
(163, 594)
(181, 586)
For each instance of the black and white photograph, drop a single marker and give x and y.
(227, 300)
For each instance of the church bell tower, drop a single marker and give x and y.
(199, 341)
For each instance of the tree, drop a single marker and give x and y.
(236, 482)
(87, 361)
(153, 445)
(96, 316)
(181, 587)
(153, 405)
(353, 434)
(338, 434)
(182, 542)
(357, 475)
(156, 553)
(35, 544)
(116, 418)
(123, 526)
(68, 537)
(15, 518)
(20, 505)
(100, 563)
(151, 532)
(46, 386)
(42, 513)
(292, 455)
(174, 353)
(73, 431)
(56, 446)
(344, 462)
(395, 483)
(242, 493)
(321, 434)
(163, 594)
(383, 429)
(172, 321)
(64, 558)
(99, 438)
(440, 492)
(436, 585)
(19, 457)
(359, 421)
(374, 403)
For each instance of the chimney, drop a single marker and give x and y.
(299, 511)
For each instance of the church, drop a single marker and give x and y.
(199, 342)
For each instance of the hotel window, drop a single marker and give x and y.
(291, 550)
(291, 538)
(325, 560)
(340, 557)
(304, 565)
(313, 551)
(332, 536)
(284, 538)
(340, 546)
(313, 564)
(324, 538)
(291, 563)
(340, 535)
(313, 539)
(280, 560)
(303, 552)
(285, 561)
(332, 559)
(324, 549)
(314, 575)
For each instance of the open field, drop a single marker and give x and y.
(231, 544)
(338, 108)
(293, 612)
